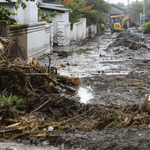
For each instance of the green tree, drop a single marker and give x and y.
(102, 8)
(5, 14)
(135, 11)
(147, 10)
(19, 3)
(79, 9)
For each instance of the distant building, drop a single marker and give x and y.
(116, 10)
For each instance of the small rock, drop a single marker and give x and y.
(94, 139)
(45, 142)
(78, 136)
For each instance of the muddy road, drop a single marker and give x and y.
(106, 112)
(109, 73)
(114, 70)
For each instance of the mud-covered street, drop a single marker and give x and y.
(110, 73)
(114, 70)
(109, 109)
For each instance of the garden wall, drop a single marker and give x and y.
(33, 39)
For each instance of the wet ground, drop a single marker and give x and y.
(117, 75)
(109, 75)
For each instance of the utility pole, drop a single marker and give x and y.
(128, 4)
(143, 11)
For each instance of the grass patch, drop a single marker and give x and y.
(13, 101)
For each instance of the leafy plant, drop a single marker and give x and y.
(12, 101)
(44, 16)
(78, 9)
(102, 8)
(5, 14)
(146, 28)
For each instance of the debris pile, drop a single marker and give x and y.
(132, 41)
(46, 107)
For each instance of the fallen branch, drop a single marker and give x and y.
(13, 125)
(41, 106)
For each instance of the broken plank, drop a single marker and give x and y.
(68, 79)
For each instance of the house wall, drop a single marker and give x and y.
(65, 17)
(31, 12)
(58, 19)
(33, 39)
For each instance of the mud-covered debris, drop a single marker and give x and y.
(133, 42)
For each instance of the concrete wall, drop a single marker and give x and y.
(63, 33)
(28, 15)
(39, 39)
(79, 30)
(33, 39)
(59, 19)
(91, 31)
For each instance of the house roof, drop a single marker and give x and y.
(115, 10)
(54, 8)
(5, 1)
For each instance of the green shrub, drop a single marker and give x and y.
(146, 28)
(5, 14)
(12, 101)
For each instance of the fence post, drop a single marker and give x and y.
(4, 28)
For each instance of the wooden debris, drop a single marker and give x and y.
(68, 79)
(41, 106)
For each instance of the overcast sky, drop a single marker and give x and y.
(122, 1)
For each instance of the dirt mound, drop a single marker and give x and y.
(131, 41)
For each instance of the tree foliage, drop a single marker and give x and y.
(19, 3)
(146, 28)
(135, 11)
(93, 10)
(5, 14)
(79, 9)
(44, 16)
(102, 8)
(137, 8)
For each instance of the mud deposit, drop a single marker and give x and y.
(114, 70)
(110, 109)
